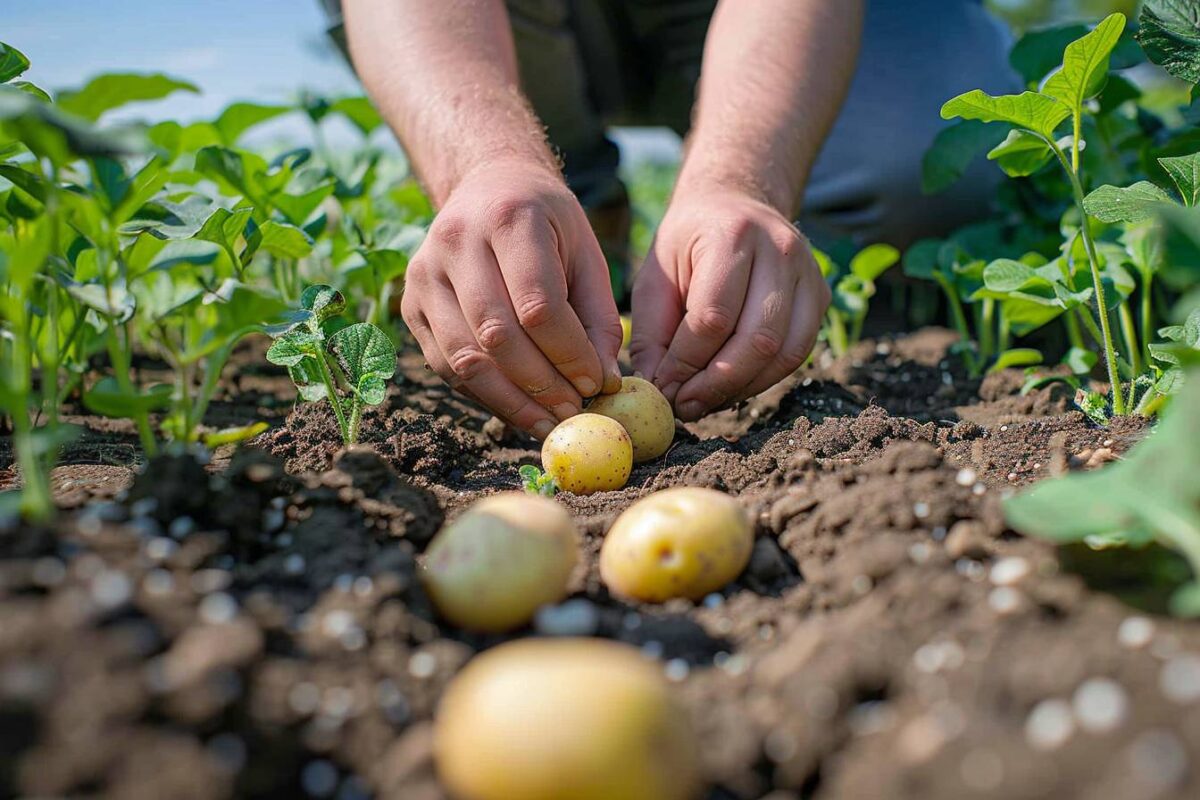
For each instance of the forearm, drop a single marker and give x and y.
(444, 76)
(774, 78)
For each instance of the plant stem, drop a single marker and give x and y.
(120, 361)
(334, 400)
(1147, 313)
(355, 420)
(837, 333)
(1129, 333)
(960, 324)
(1074, 334)
(987, 323)
(856, 326)
(1110, 356)
(1003, 332)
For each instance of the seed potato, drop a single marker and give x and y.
(680, 542)
(505, 557)
(643, 411)
(564, 719)
(588, 453)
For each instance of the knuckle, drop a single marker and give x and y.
(766, 343)
(791, 358)
(714, 321)
(467, 363)
(533, 309)
(737, 230)
(505, 213)
(492, 334)
(449, 231)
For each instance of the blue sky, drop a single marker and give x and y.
(260, 50)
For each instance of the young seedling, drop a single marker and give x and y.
(534, 481)
(349, 367)
(1152, 495)
(853, 288)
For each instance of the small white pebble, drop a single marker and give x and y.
(422, 665)
(676, 670)
(919, 552)
(735, 665)
(304, 698)
(111, 588)
(1179, 679)
(714, 600)
(217, 608)
(336, 623)
(1005, 600)
(652, 649)
(293, 564)
(1135, 632)
(577, 617)
(1100, 705)
(158, 582)
(1003, 427)
(966, 477)
(160, 547)
(363, 585)
(1010, 570)
(979, 489)
(1050, 725)
(861, 585)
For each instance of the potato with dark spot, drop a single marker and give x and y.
(680, 542)
(588, 453)
(496, 564)
(564, 719)
(643, 411)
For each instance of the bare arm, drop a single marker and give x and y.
(509, 296)
(730, 300)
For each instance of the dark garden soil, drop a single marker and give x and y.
(254, 627)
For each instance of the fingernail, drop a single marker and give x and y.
(565, 410)
(542, 428)
(691, 411)
(586, 386)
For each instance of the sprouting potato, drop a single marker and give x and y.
(588, 453)
(643, 411)
(495, 565)
(681, 542)
(564, 719)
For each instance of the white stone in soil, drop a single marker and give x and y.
(1010, 570)
(1050, 725)
(1179, 679)
(1101, 705)
(1135, 632)
(218, 608)
(577, 617)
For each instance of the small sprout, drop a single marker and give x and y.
(534, 481)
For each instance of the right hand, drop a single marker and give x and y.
(510, 300)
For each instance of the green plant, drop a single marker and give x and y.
(1152, 495)
(534, 481)
(853, 287)
(348, 366)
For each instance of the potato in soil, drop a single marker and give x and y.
(643, 411)
(680, 542)
(588, 453)
(505, 557)
(564, 719)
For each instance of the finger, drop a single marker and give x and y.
(589, 289)
(481, 295)
(761, 331)
(532, 268)
(452, 351)
(713, 301)
(657, 311)
(808, 307)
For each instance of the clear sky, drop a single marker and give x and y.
(259, 50)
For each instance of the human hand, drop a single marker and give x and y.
(728, 303)
(509, 297)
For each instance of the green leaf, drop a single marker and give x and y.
(361, 113)
(50, 133)
(12, 62)
(294, 347)
(1185, 601)
(1125, 204)
(1169, 32)
(323, 301)
(107, 92)
(367, 357)
(1021, 154)
(226, 436)
(872, 261)
(1185, 172)
(1180, 269)
(1080, 360)
(1017, 357)
(1005, 275)
(280, 240)
(1029, 110)
(114, 301)
(1085, 64)
(921, 259)
(952, 152)
(238, 118)
(297, 208)
(224, 228)
(108, 399)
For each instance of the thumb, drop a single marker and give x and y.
(657, 312)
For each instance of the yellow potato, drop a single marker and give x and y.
(588, 453)
(564, 719)
(681, 542)
(505, 557)
(643, 411)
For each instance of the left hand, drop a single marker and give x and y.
(728, 303)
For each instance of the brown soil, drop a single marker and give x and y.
(252, 627)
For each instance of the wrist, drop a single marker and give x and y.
(709, 170)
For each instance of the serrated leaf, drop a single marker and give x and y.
(107, 92)
(363, 351)
(1021, 154)
(953, 150)
(1185, 173)
(1085, 63)
(1132, 204)
(1029, 110)
(1169, 32)
(873, 260)
(12, 62)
